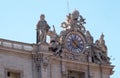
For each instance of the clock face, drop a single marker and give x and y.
(74, 42)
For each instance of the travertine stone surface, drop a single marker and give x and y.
(70, 54)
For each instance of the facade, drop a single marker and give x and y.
(72, 54)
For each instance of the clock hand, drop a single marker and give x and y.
(75, 43)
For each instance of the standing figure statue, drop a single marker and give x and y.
(42, 29)
(102, 44)
(89, 38)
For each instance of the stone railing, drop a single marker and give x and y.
(15, 45)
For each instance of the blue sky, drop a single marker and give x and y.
(18, 20)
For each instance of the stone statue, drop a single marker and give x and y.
(102, 43)
(54, 42)
(82, 20)
(42, 29)
(89, 38)
(74, 21)
(99, 50)
(99, 56)
(67, 24)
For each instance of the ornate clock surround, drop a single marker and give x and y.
(74, 41)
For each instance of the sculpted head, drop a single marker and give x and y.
(75, 15)
(42, 17)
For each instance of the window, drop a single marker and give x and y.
(13, 74)
(72, 77)
(74, 74)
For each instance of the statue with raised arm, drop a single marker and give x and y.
(89, 38)
(102, 44)
(42, 29)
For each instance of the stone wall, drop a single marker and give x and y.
(15, 62)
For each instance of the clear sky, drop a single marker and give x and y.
(18, 20)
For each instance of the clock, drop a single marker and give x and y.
(75, 42)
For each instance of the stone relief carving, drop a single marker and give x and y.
(41, 60)
(67, 55)
(45, 62)
(74, 21)
(38, 59)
